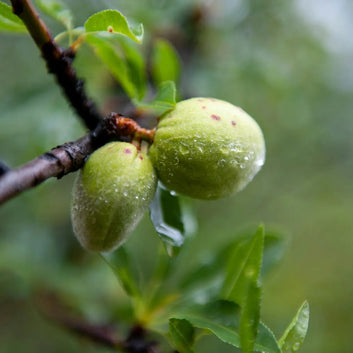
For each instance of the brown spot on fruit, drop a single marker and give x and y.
(203, 107)
(215, 117)
(234, 123)
(141, 157)
(127, 150)
(110, 29)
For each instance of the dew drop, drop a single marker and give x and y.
(183, 150)
(260, 162)
(296, 346)
(242, 165)
(125, 193)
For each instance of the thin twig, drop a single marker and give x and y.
(59, 63)
(53, 308)
(68, 157)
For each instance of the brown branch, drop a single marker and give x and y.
(53, 308)
(59, 63)
(68, 157)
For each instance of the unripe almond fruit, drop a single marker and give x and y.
(207, 148)
(111, 194)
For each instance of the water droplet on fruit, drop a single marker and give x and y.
(183, 150)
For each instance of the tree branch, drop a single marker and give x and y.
(70, 156)
(53, 308)
(59, 63)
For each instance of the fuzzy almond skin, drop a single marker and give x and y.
(207, 148)
(110, 195)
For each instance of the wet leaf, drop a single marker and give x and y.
(294, 336)
(166, 216)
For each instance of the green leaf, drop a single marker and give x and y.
(113, 22)
(108, 52)
(57, 10)
(295, 333)
(222, 318)
(244, 265)
(165, 65)
(9, 22)
(182, 335)
(120, 264)
(250, 316)
(136, 66)
(166, 216)
(164, 100)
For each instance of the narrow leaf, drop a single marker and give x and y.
(112, 58)
(57, 10)
(182, 335)
(136, 66)
(222, 318)
(295, 333)
(244, 264)
(166, 216)
(119, 262)
(9, 22)
(113, 22)
(165, 65)
(250, 317)
(164, 100)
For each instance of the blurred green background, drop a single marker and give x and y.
(288, 64)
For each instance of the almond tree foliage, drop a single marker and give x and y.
(166, 306)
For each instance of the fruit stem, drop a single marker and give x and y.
(130, 128)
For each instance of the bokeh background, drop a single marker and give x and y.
(288, 64)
